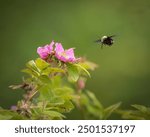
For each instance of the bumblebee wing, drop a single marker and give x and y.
(112, 36)
(98, 41)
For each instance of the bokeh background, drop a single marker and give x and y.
(124, 69)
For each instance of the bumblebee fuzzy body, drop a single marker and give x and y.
(106, 40)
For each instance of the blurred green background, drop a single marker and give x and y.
(124, 69)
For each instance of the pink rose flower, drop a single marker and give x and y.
(45, 51)
(64, 55)
(59, 52)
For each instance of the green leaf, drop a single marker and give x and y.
(43, 114)
(45, 93)
(88, 65)
(10, 115)
(73, 72)
(109, 110)
(142, 108)
(139, 113)
(44, 79)
(131, 114)
(31, 72)
(66, 107)
(32, 65)
(56, 81)
(54, 114)
(51, 70)
(95, 101)
(41, 64)
(64, 92)
(55, 101)
(32, 69)
(5, 116)
(93, 109)
(82, 68)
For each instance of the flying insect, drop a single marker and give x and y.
(106, 41)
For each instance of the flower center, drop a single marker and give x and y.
(65, 55)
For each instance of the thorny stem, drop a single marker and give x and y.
(32, 93)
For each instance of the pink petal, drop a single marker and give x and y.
(63, 58)
(50, 47)
(43, 52)
(70, 53)
(64, 55)
(46, 50)
(59, 48)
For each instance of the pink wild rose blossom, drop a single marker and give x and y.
(45, 51)
(64, 55)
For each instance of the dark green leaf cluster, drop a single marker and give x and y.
(93, 109)
(139, 112)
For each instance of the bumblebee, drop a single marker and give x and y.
(106, 41)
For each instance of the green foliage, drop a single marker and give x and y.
(81, 68)
(7, 114)
(47, 91)
(139, 112)
(54, 88)
(88, 64)
(73, 72)
(93, 109)
(111, 109)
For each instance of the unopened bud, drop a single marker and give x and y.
(81, 84)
